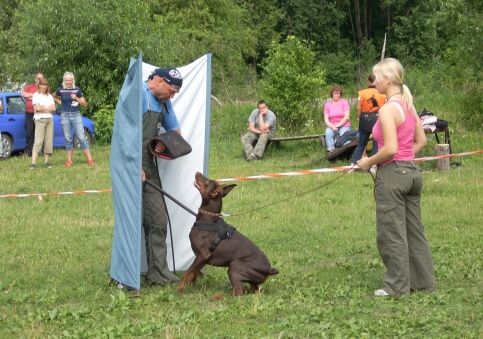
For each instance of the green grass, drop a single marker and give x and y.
(56, 253)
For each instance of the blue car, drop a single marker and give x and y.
(12, 125)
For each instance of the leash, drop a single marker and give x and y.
(156, 187)
(294, 196)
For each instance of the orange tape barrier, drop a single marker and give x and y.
(336, 169)
(254, 177)
(40, 195)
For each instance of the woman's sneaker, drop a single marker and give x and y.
(47, 165)
(32, 166)
(381, 293)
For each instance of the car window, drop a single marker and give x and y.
(1, 105)
(15, 105)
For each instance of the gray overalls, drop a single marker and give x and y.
(155, 221)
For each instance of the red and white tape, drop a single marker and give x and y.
(336, 169)
(254, 177)
(40, 195)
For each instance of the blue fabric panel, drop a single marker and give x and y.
(125, 166)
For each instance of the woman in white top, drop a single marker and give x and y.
(44, 105)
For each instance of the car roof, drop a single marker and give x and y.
(9, 94)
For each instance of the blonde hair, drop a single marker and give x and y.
(392, 69)
(70, 75)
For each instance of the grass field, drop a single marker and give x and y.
(56, 253)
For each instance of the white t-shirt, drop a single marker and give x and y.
(44, 101)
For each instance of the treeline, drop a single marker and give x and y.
(440, 41)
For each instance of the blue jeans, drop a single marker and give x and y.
(71, 121)
(363, 140)
(330, 134)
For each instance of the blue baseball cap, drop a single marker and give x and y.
(171, 75)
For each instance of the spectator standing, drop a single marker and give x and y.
(262, 125)
(27, 94)
(70, 117)
(44, 105)
(157, 112)
(336, 117)
(368, 104)
(401, 242)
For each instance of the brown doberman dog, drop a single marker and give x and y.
(216, 243)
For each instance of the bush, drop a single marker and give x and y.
(340, 70)
(471, 116)
(291, 82)
(104, 122)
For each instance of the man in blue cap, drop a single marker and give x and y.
(158, 90)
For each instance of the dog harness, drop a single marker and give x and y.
(222, 228)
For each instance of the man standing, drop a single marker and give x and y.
(368, 104)
(28, 93)
(161, 86)
(262, 123)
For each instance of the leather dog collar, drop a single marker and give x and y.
(209, 213)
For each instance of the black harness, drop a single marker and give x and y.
(222, 228)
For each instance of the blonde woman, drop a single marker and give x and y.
(44, 105)
(401, 242)
(71, 97)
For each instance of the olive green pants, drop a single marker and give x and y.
(401, 242)
(261, 141)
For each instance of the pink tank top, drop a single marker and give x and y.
(405, 135)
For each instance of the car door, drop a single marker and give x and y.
(59, 139)
(14, 120)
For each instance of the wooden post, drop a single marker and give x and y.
(383, 47)
(442, 164)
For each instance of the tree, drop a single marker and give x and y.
(94, 41)
(264, 17)
(291, 82)
(323, 23)
(189, 29)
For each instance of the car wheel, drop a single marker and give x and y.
(88, 136)
(7, 146)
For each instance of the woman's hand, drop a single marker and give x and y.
(364, 164)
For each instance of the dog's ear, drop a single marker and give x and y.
(223, 189)
(216, 191)
(227, 189)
